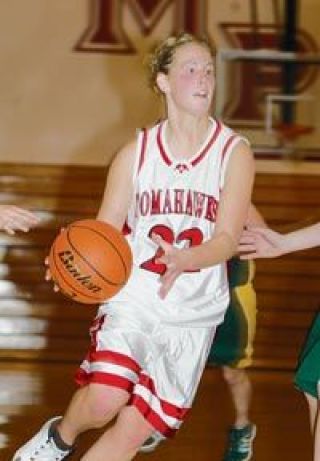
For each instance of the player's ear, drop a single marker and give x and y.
(162, 82)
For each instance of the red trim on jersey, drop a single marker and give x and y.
(210, 142)
(161, 148)
(227, 145)
(199, 157)
(143, 148)
(126, 230)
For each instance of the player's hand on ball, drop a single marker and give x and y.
(48, 276)
(171, 257)
(89, 261)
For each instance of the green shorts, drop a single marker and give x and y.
(233, 343)
(307, 376)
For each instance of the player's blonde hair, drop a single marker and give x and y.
(161, 57)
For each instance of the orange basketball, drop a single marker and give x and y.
(90, 261)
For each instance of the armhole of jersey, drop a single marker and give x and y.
(227, 150)
(140, 152)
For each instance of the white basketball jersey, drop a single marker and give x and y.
(178, 199)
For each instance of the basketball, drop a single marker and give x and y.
(90, 261)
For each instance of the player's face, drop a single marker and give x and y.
(190, 81)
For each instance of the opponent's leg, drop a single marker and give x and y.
(240, 388)
(313, 405)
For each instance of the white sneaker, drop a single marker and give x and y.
(41, 447)
(151, 443)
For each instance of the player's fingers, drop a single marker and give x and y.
(163, 259)
(167, 281)
(22, 219)
(166, 247)
(7, 228)
(247, 238)
(244, 248)
(248, 256)
(48, 275)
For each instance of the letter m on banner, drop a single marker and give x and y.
(107, 24)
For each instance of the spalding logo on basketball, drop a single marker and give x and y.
(90, 261)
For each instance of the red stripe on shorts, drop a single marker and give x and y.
(151, 416)
(82, 378)
(116, 358)
(167, 407)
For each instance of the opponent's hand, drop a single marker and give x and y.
(261, 243)
(172, 258)
(13, 218)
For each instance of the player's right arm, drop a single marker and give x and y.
(119, 187)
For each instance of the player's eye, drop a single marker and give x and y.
(192, 69)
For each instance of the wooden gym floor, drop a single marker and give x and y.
(32, 392)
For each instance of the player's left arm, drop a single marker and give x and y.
(233, 210)
(255, 218)
(231, 217)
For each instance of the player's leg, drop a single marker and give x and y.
(122, 441)
(307, 379)
(92, 406)
(232, 349)
(240, 388)
(106, 376)
(313, 406)
(192, 348)
(317, 428)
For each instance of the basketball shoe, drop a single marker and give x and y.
(42, 446)
(151, 443)
(240, 443)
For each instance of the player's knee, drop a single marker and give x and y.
(103, 403)
(234, 376)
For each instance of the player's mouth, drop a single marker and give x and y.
(202, 94)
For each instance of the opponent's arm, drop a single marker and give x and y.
(266, 243)
(13, 218)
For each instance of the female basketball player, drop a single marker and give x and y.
(265, 243)
(184, 188)
(13, 218)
